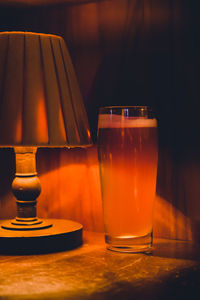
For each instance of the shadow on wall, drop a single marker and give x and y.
(7, 170)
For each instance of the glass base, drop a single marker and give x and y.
(130, 244)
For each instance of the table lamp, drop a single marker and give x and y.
(40, 106)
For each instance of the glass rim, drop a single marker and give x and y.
(126, 106)
(139, 111)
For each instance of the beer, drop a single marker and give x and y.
(127, 150)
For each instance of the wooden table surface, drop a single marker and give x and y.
(172, 271)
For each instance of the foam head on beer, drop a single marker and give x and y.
(118, 121)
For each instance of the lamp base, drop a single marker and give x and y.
(33, 224)
(62, 235)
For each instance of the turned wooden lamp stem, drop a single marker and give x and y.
(26, 185)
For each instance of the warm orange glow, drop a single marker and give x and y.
(128, 174)
(77, 135)
(61, 125)
(36, 105)
(42, 126)
(30, 33)
(71, 187)
(88, 133)
(18, 134)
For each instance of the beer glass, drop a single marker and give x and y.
(127, 152)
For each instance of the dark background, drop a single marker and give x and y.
(128, 52)
(135, 52)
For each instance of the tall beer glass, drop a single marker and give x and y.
(127, 151)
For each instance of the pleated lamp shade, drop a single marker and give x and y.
(40, 101)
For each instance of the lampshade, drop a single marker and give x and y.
(40, 101)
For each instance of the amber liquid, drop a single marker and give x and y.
(128, 168)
